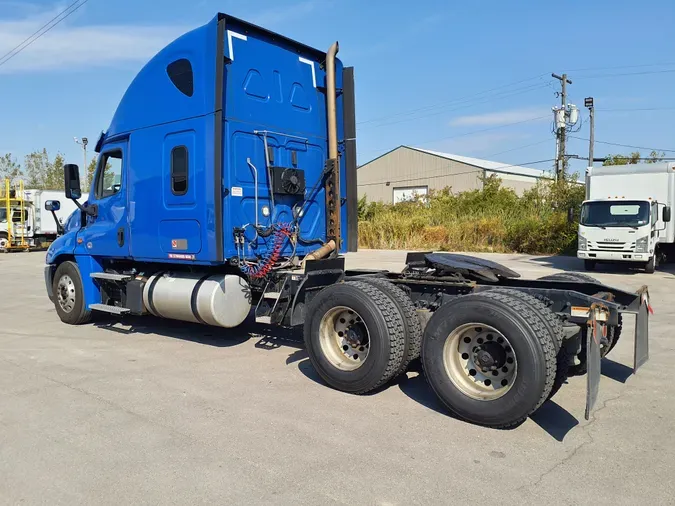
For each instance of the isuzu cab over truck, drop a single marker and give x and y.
(226, 187)
(627, 216)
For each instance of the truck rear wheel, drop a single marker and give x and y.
(489, 358)
(577, 277)
(555, 328)
(411, 322)
(69, 295)
(355, 337)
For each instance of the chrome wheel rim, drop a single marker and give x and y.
(480, 361)
(344, 338)
(4, 242)
(65, 293)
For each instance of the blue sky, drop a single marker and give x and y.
(450, 76)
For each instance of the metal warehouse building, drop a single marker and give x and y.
(405, 171)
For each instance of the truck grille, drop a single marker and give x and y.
(611, 246)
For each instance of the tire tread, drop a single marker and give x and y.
(545, 338)
(409, 314)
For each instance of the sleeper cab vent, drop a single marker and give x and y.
(180, 73)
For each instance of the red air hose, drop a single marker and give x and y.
(263, 269)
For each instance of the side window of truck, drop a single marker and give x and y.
(179, 170)
(109, 178)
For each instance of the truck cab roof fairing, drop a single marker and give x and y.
(153, 99)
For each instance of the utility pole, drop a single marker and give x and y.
(588, 102)
(561, 127)
(84, 143)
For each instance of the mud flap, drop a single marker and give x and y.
(641, 353)
(596, 328)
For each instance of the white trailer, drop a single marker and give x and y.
(627, 215)
(38, 226)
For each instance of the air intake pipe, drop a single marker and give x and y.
(331, 101)
(332, 186)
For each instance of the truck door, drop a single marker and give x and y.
(107, 233)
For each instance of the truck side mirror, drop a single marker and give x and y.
(72, 181)
(666, 214)
(570, 215)
(52, 205)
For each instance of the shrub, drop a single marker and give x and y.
(493, 219)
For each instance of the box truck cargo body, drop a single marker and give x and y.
(627, 217)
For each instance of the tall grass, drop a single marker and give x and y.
(493, 219)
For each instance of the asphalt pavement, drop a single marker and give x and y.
(150, 411)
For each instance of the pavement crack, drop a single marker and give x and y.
(572, 454)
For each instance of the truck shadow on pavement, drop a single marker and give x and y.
(269, 337)
(551, 417)
(573, 264)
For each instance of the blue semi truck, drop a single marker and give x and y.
(226, 189)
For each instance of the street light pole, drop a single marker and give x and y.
(588, 102)
(83, 142)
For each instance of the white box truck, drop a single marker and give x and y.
(38, 227)
(627, 215)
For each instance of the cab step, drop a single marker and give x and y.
(264, 319)
(110, 276)
(105, 308)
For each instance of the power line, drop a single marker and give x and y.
(471, 103)
(461, 99)
(41, 31)
(600, 76)
(625, 145)
(639, 109)
(624, 67)
(519, 147)
(421, 176)
(470, 133)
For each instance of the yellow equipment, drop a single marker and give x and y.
(13, 199)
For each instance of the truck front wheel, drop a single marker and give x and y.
(69, 295)
(589, 265)
(355, 337)
(4, 241)
(489, 358)
(650, 267)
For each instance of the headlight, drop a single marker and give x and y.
(641, 244)
(582, 243)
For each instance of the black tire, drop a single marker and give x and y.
(78, 313)
(3, 241)
(577, 277)
(589, 265)
(411, 322)
(650, 266)
(385, 328)
(564, 360)
(555, 328)
(531, 342)
(613, 335)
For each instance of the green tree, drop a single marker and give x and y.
(655, 156)
(42, 173)
(9, 168)
(36, 167)
(54, 176)
(91, 170)
(632, 158)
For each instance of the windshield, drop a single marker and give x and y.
(3, 215)
(628, 213)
